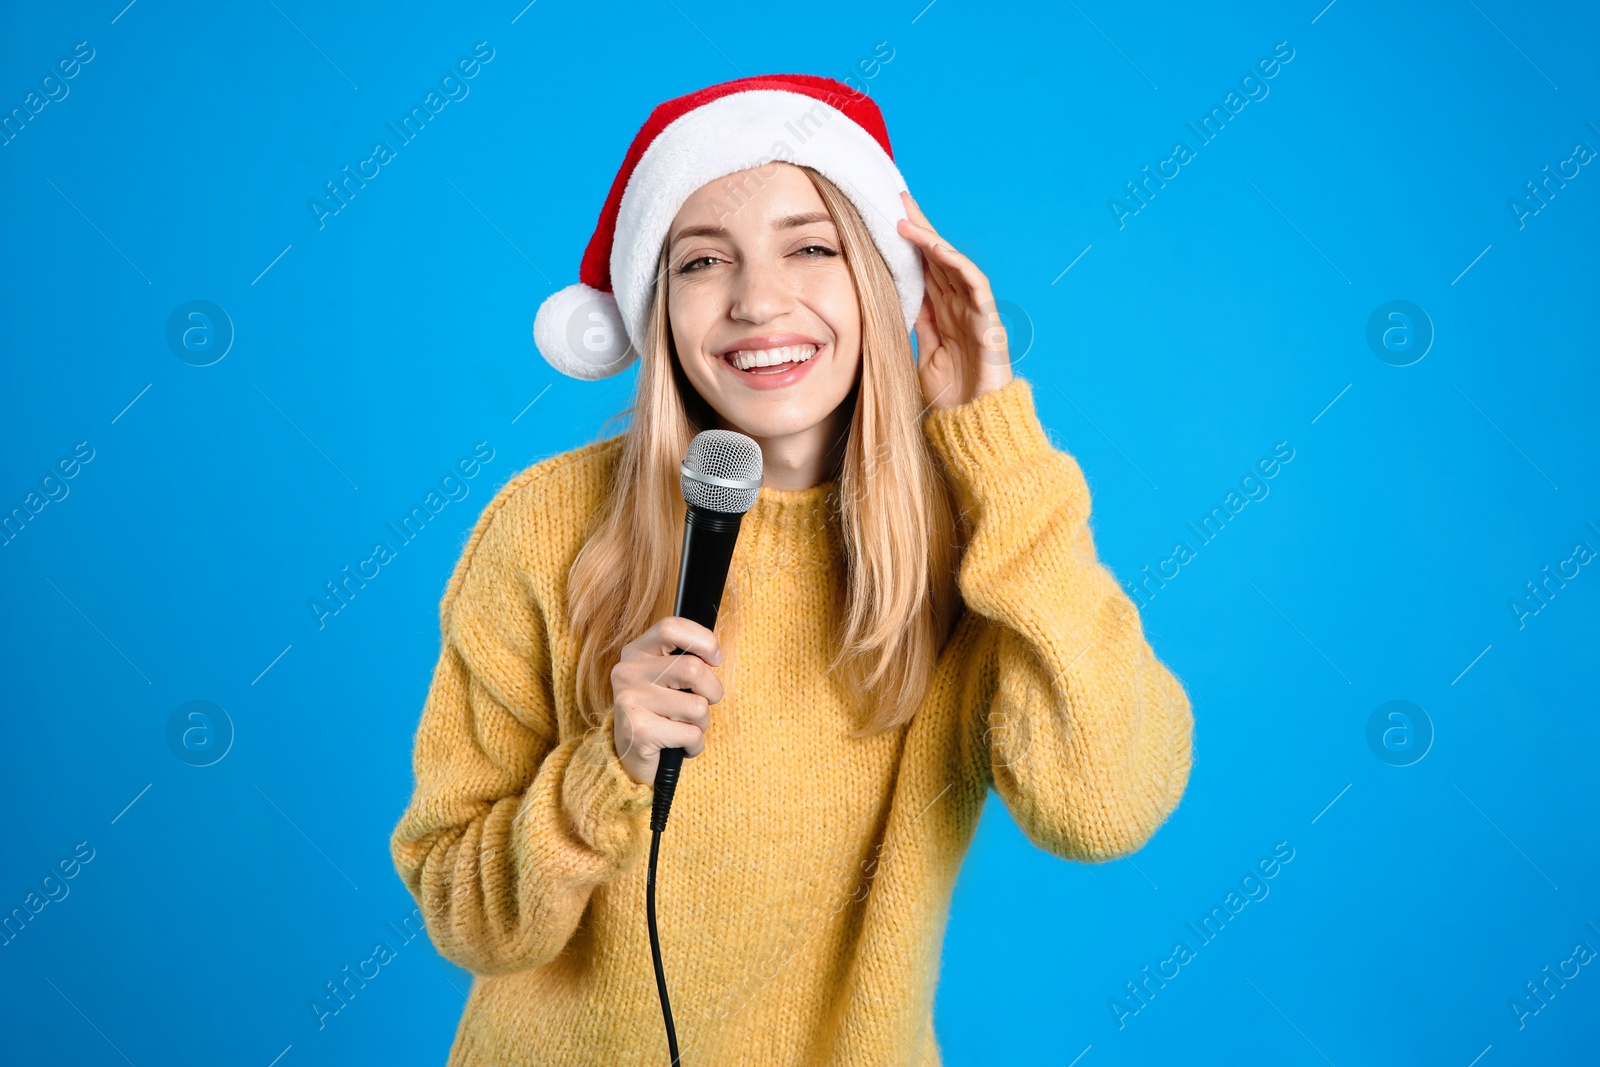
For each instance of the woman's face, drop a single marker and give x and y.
(756, 272)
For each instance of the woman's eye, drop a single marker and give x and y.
(824, 249)
(689, 265)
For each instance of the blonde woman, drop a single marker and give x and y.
(915, 614)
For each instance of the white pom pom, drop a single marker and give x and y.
(579, 332)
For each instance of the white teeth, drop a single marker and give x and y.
(770, 357)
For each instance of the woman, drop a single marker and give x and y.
(915, 606)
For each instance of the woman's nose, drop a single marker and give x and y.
(760, 292)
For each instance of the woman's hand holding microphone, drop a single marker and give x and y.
(661, 700)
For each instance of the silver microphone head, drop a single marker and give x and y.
(722, 472)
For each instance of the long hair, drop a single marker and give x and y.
(895, 508)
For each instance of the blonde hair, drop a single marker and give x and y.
(895, 509)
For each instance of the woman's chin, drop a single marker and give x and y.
(767, 424)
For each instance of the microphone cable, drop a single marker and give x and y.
(666, 785)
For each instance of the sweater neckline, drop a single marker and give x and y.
(803, 523)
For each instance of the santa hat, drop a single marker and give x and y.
(595, 328)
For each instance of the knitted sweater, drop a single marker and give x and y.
(806, 875)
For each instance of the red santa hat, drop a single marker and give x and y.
(595, 329)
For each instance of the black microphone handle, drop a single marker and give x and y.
(708, 541)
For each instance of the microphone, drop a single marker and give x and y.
(720, 478)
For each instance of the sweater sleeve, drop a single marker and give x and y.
(510, 826)
(1083, 732)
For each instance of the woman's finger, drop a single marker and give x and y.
(914, 213)
(940, 324)
(937, 282)
(927, 332)
(690, 673)
(686, 707)
(675, 631)
(945, 264)
(913, 209)
(926, 239)
(920, 233)
(670, 733)
(971, 277)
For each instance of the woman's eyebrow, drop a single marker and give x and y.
(787, 222)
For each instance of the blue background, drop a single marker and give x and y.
(1229, 314)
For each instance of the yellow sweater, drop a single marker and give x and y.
(805, 877)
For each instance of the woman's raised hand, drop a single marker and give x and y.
(961, 344)
(650, 709)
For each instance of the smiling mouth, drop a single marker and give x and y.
(770, 360)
